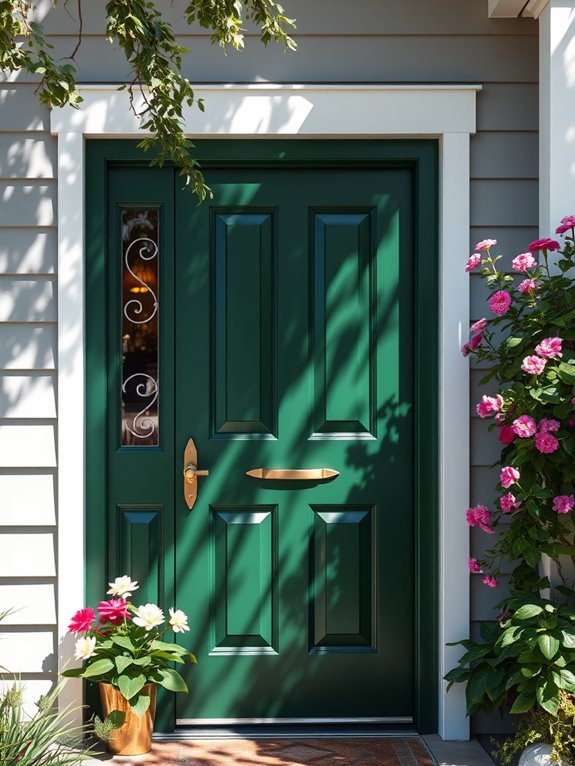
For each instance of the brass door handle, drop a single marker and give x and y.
(191, 473)
(293, 474)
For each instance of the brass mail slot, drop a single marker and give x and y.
(293, 474)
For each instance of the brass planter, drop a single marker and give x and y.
(134, 736)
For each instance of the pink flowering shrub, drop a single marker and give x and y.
(524, 662)
(527, 339)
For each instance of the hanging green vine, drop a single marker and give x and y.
(155, 59)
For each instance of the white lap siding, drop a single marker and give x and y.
(28, 417)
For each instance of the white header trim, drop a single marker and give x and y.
(302, 110)
(443, 112)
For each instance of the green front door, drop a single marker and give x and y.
(275, 326)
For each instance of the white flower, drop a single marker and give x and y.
(148, 616)
(122, 587)
(178, 620)
(85, 647)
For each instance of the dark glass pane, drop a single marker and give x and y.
(140, 254)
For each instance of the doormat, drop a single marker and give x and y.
(393, 751)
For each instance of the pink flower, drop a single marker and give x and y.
(491, 582)
(473, 565)
(478, 326)
(546, 442)
(472, 262)
(471, 344)
(546, 425)
(527, 286)
(508, 476)
(533, 365)
(563, 503)
(543, 244)
(506, 434)
(82, 621)
(566, 223)
(509, 503)
(485, 244)
(489, 404)
(499, 302)
(524, 426)
(550, 348)
(480, 516)
(475, 341)
(523, 261)
(113, 610)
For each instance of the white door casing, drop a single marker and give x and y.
(443, 112)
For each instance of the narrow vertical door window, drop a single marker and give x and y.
(140, 316)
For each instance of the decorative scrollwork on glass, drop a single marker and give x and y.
(140, 327)
(143, 423)
(147, 251)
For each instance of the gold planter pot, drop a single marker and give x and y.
(134, 736)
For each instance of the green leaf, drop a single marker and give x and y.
(562, 410)
(549, 645)
(166, 647)
(528, 671)
(123, 662)
(477, 652)
(116, 718)
(140, 704)
(124, 642)
(172, 680)
(550, 395)
(489, 631)
(523, 703)
(166, 656)
(72, 672)
(568, 639)
(456, 675)
(98, 668)
(510, 636)
(527, 611)
(131, 685)
(566, 680)
(514, 679)
(548, 696)
(567, 373)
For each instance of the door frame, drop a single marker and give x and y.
(444, 113)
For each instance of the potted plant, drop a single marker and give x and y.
(122, 650)
(525, 662)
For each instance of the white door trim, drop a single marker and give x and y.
(444, 112)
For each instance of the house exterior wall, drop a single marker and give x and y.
(410, 42)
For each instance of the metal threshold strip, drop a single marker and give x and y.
(289, 728)
(288, 721)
